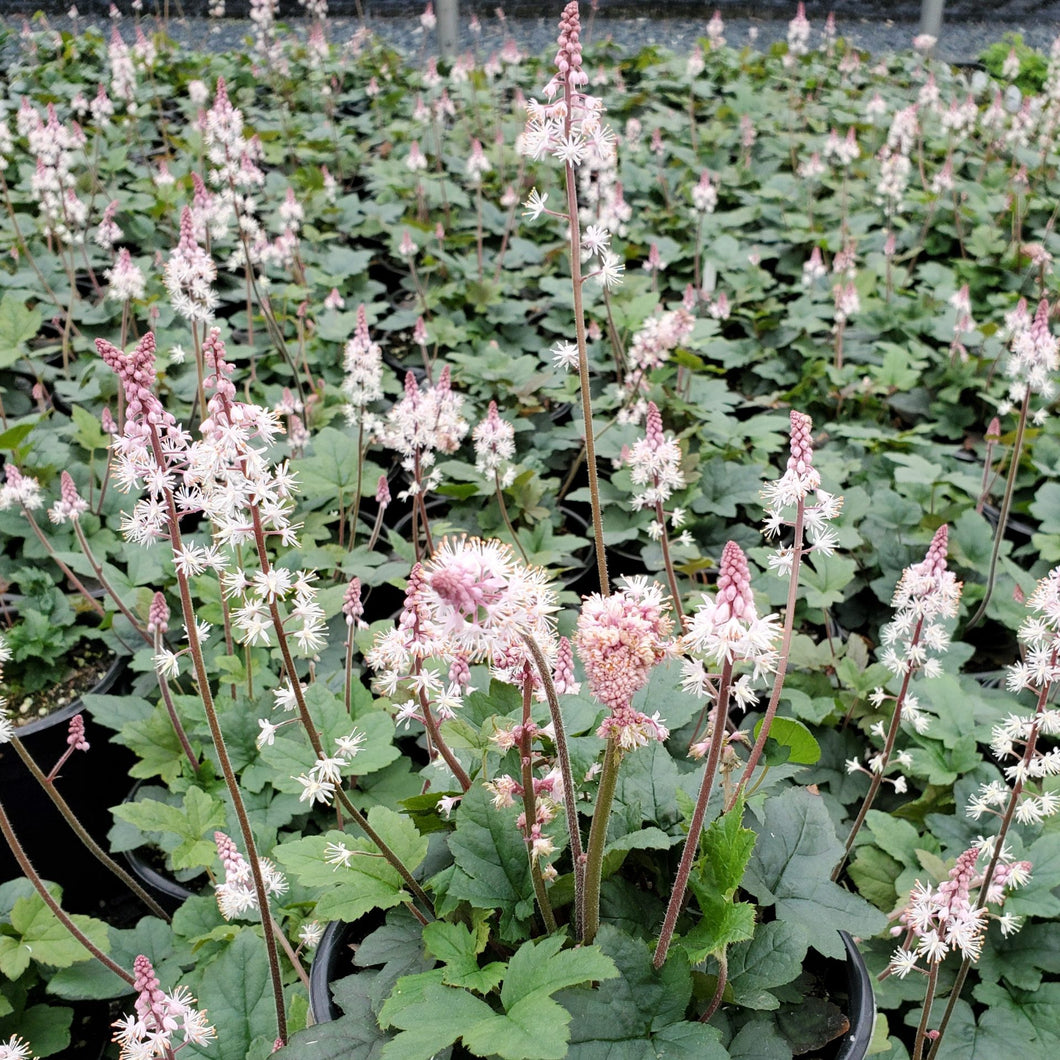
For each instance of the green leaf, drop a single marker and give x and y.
(46, 1028)
(457, 947)
(18, 324)
(827, 580)
(91, 980)
(727, 847)
(236, 991)
(369, 881)
(200, 814)
(792, 865)
(787, 732)
(639, 1015)
(38, 935)
(441, 1016)
(772, 958)
(492, 870)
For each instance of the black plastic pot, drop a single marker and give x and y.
(331, 951)
(90, 781)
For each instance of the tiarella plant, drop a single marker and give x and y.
(567, 521)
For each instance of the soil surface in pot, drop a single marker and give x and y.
(89, 663)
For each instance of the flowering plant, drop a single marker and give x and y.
(430, 523)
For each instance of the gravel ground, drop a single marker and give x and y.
(672, 23)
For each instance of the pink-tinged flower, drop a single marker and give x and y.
(570, 129)
(382, 492)
(481, 599)
(20, 490)
(126, 281)
(705, 194)
(477, 163)
(631, 728)
(237, 895)
(621, 638)
(716, 30)
(363, 365)
(189, 275)
(926, 592)
(799, 480)
(943, 919)
(726, 627)
(655, 462)
(563, 678)
(494, 440)
(1034, 357)
(70, 504)
(352, 607)
(159, 1018)
(799, 32)
(16, 1048)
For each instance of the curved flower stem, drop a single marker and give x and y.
(583, 363)
(97, 571)
(79, 830)
(719, 993)
(33, 876)
(684, 869)
(435, 733)
(563, 757)
(74, 580)
(1006, 507)
(885, 758)
(507, 520)
(174, 717)
(668, 563)
(530, 809)
(782, 664)
(310, 728)
(202, 679)
(594, 857)
(925, 1016)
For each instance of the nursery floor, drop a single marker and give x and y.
(962, 39)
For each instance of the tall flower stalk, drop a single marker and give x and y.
(1031, 367)
(620, 639)
(571, 131)
(725, 630)
(926, 593)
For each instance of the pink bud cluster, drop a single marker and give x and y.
(159, 1018)
(70, 504)
(494, 440)
(620, 639)
(237, 895)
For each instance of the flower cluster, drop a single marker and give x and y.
(424, 422)
(791, 491)
(237, 895)
(620, 639)
(1033, 360)
(158, 1018)
(494, 440)
(471, 602)
(363, 365)
(570, 129)
(926, 593)
(945, 919)
(325, 776)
